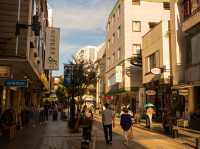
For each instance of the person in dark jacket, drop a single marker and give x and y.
(126, 123)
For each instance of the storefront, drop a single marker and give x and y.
(158, 94)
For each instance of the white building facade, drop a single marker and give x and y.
(88, 53)
(127, 23)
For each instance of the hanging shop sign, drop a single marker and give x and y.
(52, 48)
(183, 92)
(156, 71)
(150, 92)
(4, 72)
(44, 80)
(16, 83)
(118, 74)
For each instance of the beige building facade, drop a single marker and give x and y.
(127, 23)
(22, 53)
(101, 68)
(185, 21)
(156, 55)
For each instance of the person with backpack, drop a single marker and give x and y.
(126, 124)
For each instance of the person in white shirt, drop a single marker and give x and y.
(108, 122)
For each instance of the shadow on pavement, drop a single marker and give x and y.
(118, 139)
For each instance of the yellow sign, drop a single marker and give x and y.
(44, 80)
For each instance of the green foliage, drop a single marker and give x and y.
(84, 75)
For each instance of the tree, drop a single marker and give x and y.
(83, 75)
(61, 92)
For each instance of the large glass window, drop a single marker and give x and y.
(152, 61)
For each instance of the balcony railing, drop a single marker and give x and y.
(190, 7)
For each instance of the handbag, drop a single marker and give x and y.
(130, 134)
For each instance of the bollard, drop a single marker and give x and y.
(197, 143)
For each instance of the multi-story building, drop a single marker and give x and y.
(127, 23)
(88, 53)
(156, 57)
(185, 43)
(101, 69)
(22, 52)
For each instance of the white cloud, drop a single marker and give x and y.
(87, 15)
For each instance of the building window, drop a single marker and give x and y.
(193, 51)
(136, 26)
(152, 25)
(119, 54)
(136, 49)
(119, 11)
(118, 32)
(190, 7)
(113, 17)
(166, 5)
(113, 58)
(152, 61)
(109, 61)
(108, 44)
(113, 37)
(108, 27)
(135, 2)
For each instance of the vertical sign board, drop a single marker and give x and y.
(52, 48)
(118, 74)
(68, 73)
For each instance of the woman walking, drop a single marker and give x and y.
(126, 123)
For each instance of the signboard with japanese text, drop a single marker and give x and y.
(52, 48)
(16, 83)
(68, 73)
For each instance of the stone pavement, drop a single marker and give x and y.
(56, 135)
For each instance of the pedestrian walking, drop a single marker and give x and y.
(86, 123)
(41, 116)
(55, 112)
(108, 122)
(149, 116)
(126, 124)
(46, 112)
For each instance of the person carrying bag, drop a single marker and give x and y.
(126, 125)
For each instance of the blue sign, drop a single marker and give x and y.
(68, 73)
(16, 83)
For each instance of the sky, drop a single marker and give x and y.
(82, 23)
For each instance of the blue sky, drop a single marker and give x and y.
(82, 23)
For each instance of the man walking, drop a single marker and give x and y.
(108, 120)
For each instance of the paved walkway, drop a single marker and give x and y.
(56, 135)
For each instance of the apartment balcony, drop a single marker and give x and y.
(191, 13)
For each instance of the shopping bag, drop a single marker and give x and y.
(130, 134)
